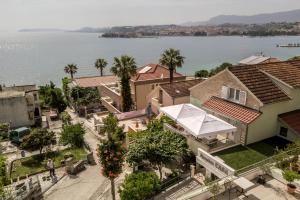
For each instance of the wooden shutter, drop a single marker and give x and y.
(243, 97)
(224, 92)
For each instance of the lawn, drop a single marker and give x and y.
(37, 163)
(239, 157)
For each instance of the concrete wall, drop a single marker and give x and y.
(141, 93)
(15, 111)
(213, 87)
(181, 100)
(117, 99)
(267, 124)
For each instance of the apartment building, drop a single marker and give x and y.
(20, 106)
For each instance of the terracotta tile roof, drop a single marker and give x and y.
(259, 83)
(292, 119)
(233, 110)
(94, 81)
(180, 88)
(153, 71)
(288, 72)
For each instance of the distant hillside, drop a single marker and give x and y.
(91, 30)
(41, 30)
(287, 16)
(82, 30)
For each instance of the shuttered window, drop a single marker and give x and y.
(234, 95)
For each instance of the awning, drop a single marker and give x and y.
(243, 183)
(196, 121)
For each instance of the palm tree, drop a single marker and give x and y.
(125, 67)
(71, 69)
(100, 64)
(172, 59)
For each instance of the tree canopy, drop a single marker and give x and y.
(38, 139)
(172, 59)
(52, 97)
(111, 151)
(158, 147)
(294, 58)
(203, 73)
(3, 176)
(139, 186)
(125, 67)
(71, 69)
(65, 88)
(100, 64)
(73, 135)
(85, 96)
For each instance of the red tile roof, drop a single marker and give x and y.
(292, 119)
(233, 110)
(153, 71)
(260, 84)
(288, 72)
(180, 88)
(95, 81)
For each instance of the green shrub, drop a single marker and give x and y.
(290, 175)
(139, 186)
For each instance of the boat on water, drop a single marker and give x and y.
(289, 45)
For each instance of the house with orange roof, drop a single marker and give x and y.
(142, 84)
(261, 100)
(167, 94)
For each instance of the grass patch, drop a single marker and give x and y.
(37, 163)
(239, 157)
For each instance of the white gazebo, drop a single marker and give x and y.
(197, 121)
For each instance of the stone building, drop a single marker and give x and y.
(20, 106)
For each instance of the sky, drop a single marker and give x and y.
(73, 14)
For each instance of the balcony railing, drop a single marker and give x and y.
(211, 146)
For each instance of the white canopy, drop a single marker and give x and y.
(196, 121)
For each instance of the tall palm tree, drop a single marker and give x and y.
(100, 64)
(125, 67)
(71, 69)
(172, 59)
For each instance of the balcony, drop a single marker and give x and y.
(213, 145)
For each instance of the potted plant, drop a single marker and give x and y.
(265, 168)
(290, 176)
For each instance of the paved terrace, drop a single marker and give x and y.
(272, 190)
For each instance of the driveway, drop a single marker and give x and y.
(89, 184)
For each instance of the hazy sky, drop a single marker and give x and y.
(70, 14)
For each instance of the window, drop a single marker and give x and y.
(237, 95)
(283, 131)
(231, 93)
(35, 97)
(234, 94)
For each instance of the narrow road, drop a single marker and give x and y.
(89, 184)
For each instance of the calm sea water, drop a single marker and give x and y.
(27, 58)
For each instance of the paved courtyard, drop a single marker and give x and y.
(272, 190)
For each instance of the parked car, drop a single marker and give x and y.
(17, 135)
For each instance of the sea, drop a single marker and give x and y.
(40, 57)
